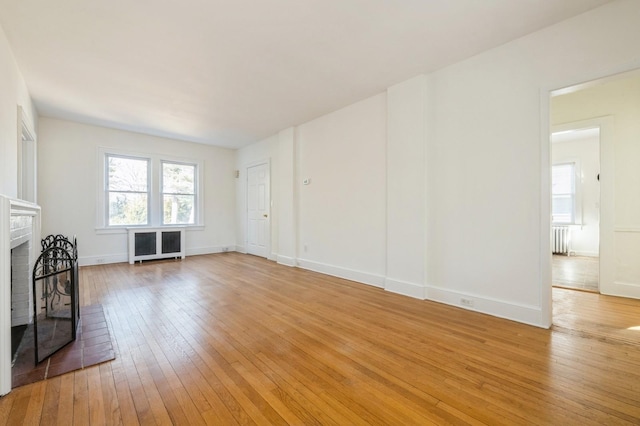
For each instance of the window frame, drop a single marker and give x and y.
(161, 192)
(107, 191)
(154, 171)
(574, 195)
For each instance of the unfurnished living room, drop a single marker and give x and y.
(320, 212)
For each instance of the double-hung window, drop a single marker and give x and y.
(178, 193)
(127, 190)
(563, 192)
(148, 190)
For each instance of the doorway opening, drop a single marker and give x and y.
(610, 105)
(575, 207)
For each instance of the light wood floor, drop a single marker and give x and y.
(579, 272)
(229, 338)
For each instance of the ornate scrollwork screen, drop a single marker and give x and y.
(55, 300)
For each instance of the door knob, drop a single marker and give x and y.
(264, 215)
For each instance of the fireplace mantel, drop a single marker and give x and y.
(11, 211)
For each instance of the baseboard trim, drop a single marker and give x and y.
(405, 288)
(531, 315)
(102, 260)
(584, 253)
(336, 271)
(622, 289)
(286, 260)
(119, 258)
(197, 251)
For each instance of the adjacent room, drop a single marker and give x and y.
(320, 212)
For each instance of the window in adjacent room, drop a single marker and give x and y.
(178, 193)
(563, 190)
(127, 190)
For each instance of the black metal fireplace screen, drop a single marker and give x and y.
(55, 296)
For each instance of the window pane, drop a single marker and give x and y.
(178, 209)
(562, 209)
(127, 174)
(127, 208)
(178, 178)
(562, 179)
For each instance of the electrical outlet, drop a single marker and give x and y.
(100, 260)
(225, 249)
(465, 301)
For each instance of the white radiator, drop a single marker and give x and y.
(560, 240)
(155, 243)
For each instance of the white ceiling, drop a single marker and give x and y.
(231, 72)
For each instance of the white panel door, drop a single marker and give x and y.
(258, 202)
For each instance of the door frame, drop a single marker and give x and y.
(606, 269)
(247, 166)
(606, 256)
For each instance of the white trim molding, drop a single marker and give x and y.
(417, 291)
(624, 289)
(286, 260)
(532, 315)
(348, 274)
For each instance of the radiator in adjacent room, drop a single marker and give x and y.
(560, 240)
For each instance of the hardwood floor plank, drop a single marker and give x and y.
(36, 400)
(6, 403)
(52, 400)
(64, 415)
(111, 406)
(19, 399)
(81, 414)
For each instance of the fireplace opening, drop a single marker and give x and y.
(17, 331)
(21, 294)
(44, 303)
(19, 232)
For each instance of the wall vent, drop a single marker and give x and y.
(155, 243)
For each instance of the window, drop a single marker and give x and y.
(127, 190)
(563, 191)
(138, 189)
(178, 193)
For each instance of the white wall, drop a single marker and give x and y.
(342, 212)
(13, 92)
(406, 187)
(68, 184)
(620, 100)
(585, 153)
(477, 192)
(489, 161)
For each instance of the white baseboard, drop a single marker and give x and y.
(102, 259)
(405, 288)
(286, 260)
(119, 258)
(622, 289)
(531, 315)
(209, 250)
(336, 271)
(584, 253)
(241, 249)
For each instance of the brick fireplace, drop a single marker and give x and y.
(19, 245)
